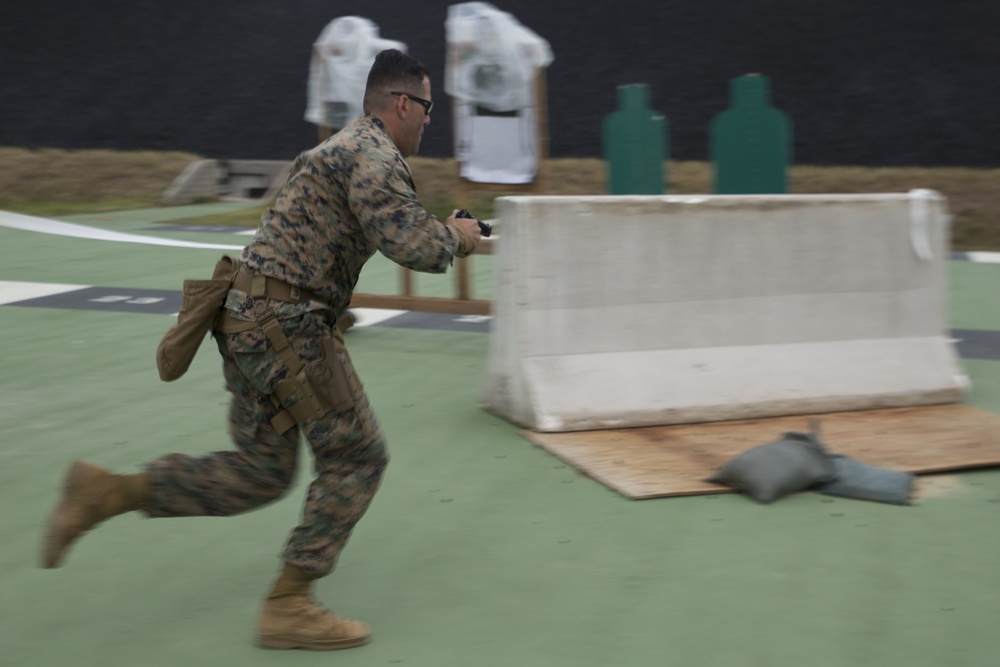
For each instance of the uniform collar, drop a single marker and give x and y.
(377, 122)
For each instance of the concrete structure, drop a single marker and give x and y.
(205, 180)
(642, 310)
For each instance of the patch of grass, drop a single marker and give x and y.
(54, 182)
(973, 194)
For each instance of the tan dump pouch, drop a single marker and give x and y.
(327, 384)
(201, 302)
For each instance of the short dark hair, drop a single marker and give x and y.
(392, 69)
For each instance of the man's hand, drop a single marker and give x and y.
(469, 227)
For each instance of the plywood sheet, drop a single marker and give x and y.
(659, 461)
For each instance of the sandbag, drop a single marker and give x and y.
(864, 481)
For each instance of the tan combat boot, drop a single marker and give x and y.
(290, 618)
(90, 495)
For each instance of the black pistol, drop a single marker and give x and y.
(484, 228)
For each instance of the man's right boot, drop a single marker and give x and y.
(290, 618)
(90, 495)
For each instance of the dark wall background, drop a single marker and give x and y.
(875, 82)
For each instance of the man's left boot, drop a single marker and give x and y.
(90, 495)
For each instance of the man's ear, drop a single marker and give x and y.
(402, 105)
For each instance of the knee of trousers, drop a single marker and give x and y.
(271, 482)
(373, 463)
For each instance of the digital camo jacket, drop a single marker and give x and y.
(344, 200)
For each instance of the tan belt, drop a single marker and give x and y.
(264, 287)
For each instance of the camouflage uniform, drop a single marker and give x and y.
(344, 199)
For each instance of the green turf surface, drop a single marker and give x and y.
(480, 549)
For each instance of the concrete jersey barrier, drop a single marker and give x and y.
(626, 311)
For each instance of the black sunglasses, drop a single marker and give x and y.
(426, 104)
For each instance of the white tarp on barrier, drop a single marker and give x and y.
(343, 54)
(641, 310)
(490, 71)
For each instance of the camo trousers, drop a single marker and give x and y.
(348, 450)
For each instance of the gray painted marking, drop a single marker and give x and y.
(970, 343)
(114, 299)
(439, 322)
(977, 344)
(168, 302)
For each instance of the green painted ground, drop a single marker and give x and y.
(480, 549)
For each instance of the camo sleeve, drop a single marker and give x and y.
(383, 199)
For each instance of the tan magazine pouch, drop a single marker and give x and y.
(312, 389)
(201, 302)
